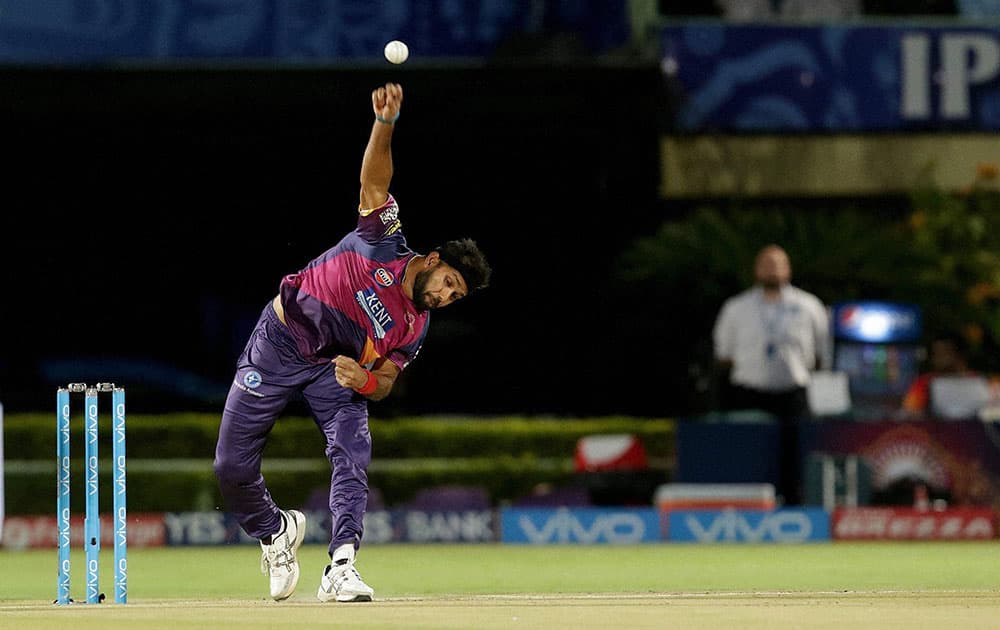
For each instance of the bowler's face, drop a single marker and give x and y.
(438, 286)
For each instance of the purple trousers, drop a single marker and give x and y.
(269, 372)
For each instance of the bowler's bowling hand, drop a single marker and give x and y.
(349, 372)
(387, 100)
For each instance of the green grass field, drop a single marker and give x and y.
(837, 585)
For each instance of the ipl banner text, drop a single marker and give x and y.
(834, 77)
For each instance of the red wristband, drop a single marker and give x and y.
(370, 385)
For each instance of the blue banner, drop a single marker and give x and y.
(834, 78)
(582, 526)
(99, 31)
(789, 525)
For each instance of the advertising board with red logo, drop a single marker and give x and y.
(41, 532)
(885, 523)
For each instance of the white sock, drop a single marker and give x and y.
(343, 553)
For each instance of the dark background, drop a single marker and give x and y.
(149, 214)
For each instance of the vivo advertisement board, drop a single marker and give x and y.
(579, 526)
(789, 525)
(891, 77)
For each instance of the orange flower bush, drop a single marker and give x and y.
(957, 236)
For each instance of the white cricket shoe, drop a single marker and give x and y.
(341, 581)
(278, 559)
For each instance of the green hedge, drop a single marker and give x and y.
(505, 478)
(32, 436)
(171, 458)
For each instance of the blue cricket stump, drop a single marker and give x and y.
(92, 518)
(92, 521)
(121, 522)
(62, 492)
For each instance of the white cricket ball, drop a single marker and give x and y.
(396, 51)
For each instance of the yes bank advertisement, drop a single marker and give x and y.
(895, 77)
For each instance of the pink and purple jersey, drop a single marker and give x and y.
(350, 301)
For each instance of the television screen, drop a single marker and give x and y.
(878, 370)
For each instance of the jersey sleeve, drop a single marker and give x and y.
(404, 355)
(377, 223)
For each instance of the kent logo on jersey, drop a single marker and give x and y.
(381, 320)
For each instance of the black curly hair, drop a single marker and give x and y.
(466, 257)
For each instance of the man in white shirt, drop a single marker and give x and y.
(768, 340)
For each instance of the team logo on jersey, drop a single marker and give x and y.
(377, 313)
(252, 379)
(390, 219)
(389, 215)
(384, 277)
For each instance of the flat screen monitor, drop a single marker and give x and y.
(878, 370)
